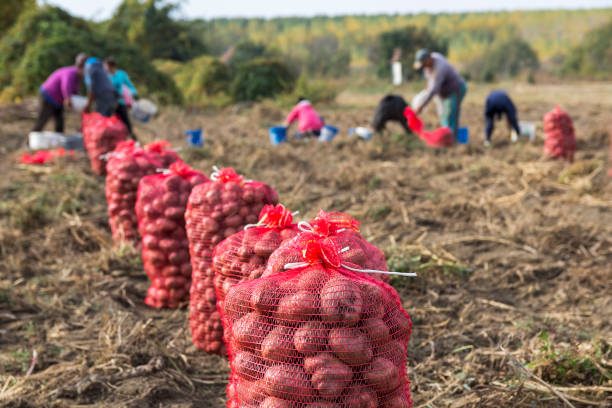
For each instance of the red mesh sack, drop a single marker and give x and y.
(344, 232)
(215, 211)
(126, 165)
(243, 256)
(560, 141)
(160, 208)
(320, 335)
(161, 150)
(413, 121)
(100, 136)
(441, 137)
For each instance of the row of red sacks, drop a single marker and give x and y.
(348, 331)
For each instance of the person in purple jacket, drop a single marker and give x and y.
(55, 94)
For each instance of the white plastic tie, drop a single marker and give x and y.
(305, 227)
(162, 171)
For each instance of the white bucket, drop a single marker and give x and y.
(78, 103)
(528, 129)
(143, 110)
(45, 140)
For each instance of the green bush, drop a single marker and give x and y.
(202, 81)
(149, 26)
(592, 58)
(261, 78)
(507, 58)
(409, 39)
(315, 91)
(47, 38)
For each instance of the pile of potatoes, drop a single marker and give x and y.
(244, 255)
(124, 169)
(560, 141)
(100, 136)
(160, 208)
(215, 211)
(161, 150)
(317, 337)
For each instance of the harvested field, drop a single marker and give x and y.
(513, 252)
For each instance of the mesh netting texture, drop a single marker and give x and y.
(560, 141)
(160, 208)
(100, 136)
(215, 211)
(319, 335)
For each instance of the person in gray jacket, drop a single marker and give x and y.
(444, 81)
(100, 89)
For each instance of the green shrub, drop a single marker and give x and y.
(592, 58)
(149, 26)
(506, 58)
(261, 78)
(409, 39)
(326, 58)
(204, 80)
(47, 38)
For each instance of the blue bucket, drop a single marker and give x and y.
(278, 134)
(194, 137)
(463, 135)
(328, 133)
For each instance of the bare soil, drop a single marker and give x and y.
(513, 252)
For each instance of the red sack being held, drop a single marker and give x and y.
(126, 165)
(243, 256)
(343, 230)
(160, 207)
(215, 211)
(161, 150)
(319, 335)
(441, 137)
(560, 141)
(100, 136)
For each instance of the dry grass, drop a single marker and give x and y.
(513, 253)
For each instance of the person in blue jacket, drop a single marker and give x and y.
(120, 79)
(498, 104)
(100, 90)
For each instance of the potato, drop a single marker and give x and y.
(399, 324)
(265, 296)
(296, 308)
(350, 345)
(248, 366)
(330, 378)
(376, 330)
(278, 345)
(312, 278)
(393, 351)
(311, 338)
(341, 302)
(398, 399)
(383, 375)
(272, 402)
(361, 397)
(268, 242)
(288, 382)
(249, 332)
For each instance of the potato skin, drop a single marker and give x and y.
(330, 378)
(278, 345)
(288, 382)
(297, 308)
(361, 397)
(350, 345)
(311, 338)
(341, 302)
(248, 366)
(249, 331)
(376, 330)
(383, 375)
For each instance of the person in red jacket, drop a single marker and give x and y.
(309, 121)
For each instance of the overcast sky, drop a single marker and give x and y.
(272, 8)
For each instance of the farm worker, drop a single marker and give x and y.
(444, 81)
(498, 104)
(124, 88)
(309, 121)
(56, 91)
(99, 88)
